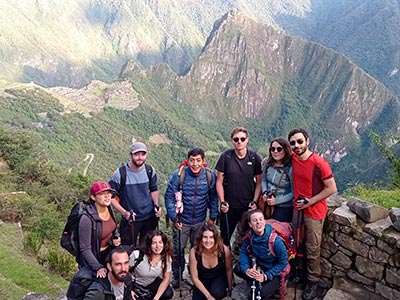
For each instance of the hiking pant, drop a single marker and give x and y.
(139, 228)
(312, 241)
(187, 232)
(216, 286)
(231, 218)
(153, 287)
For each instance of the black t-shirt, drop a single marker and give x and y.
(239, 177)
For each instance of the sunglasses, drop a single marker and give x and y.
(299, 141)
(277, 149)
(236, 139)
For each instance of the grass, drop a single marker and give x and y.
(376, 195)
(19, 272)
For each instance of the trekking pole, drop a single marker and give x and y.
(179, 210)
(253, 284)
(158, 218)
(259, 287)
(131, 222)
(299, 250)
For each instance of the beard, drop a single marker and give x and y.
(121, 276)
(300, 151)
(138, 163)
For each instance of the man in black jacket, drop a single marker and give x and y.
(116, 286)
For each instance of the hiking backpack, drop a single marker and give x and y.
(284, 231)
(70, 237)
(80, 283)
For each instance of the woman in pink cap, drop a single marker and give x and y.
(97, 229)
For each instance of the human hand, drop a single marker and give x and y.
(130, 216)
(252, 205)
(178, 225)
(157, 211)
(210, 222)
(117, 241)
(101, 273)
(271, 201)
(302, 202)
(134, 295)
(224, 207)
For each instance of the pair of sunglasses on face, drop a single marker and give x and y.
(276, 149)
(299, 141)
(236, 139)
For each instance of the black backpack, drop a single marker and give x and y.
(80, 283)
(70, 237)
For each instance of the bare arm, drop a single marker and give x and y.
(156, 200)
(330, 189)
(257, 191)
(219, 186)
(118, 207)
(195, 275)
(228, 266)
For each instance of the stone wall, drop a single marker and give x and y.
(360, 251)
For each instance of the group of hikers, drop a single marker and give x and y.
(136, 261)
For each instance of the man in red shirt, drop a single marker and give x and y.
(313, 182)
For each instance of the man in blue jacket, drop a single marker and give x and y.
(257, 261)
(195, 185)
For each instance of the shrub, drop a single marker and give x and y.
(32, 242)
(59, 261)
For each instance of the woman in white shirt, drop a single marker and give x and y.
(153, 272)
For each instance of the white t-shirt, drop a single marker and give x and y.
(118, 290)
(146, 273)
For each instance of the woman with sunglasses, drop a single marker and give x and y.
(277, 183)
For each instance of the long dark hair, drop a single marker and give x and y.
(166, 253)
(286, 147)
(218, 243)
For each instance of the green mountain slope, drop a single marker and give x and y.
(366, 31)
(71, 43)
(20, 273)
(248, 74)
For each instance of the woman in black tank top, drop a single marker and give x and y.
(210, 265)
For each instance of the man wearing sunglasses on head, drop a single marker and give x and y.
(313, 183)
(238, 182)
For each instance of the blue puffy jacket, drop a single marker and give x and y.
(197, 196)
(271, 264)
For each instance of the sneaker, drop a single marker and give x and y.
(311, 291)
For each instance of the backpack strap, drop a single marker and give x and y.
(182, 173)
(138, 260)
(149, 171)
(271, 242)
(122, 173)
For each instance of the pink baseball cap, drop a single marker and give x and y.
(100, 186)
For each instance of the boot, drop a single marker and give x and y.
(311, 290)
